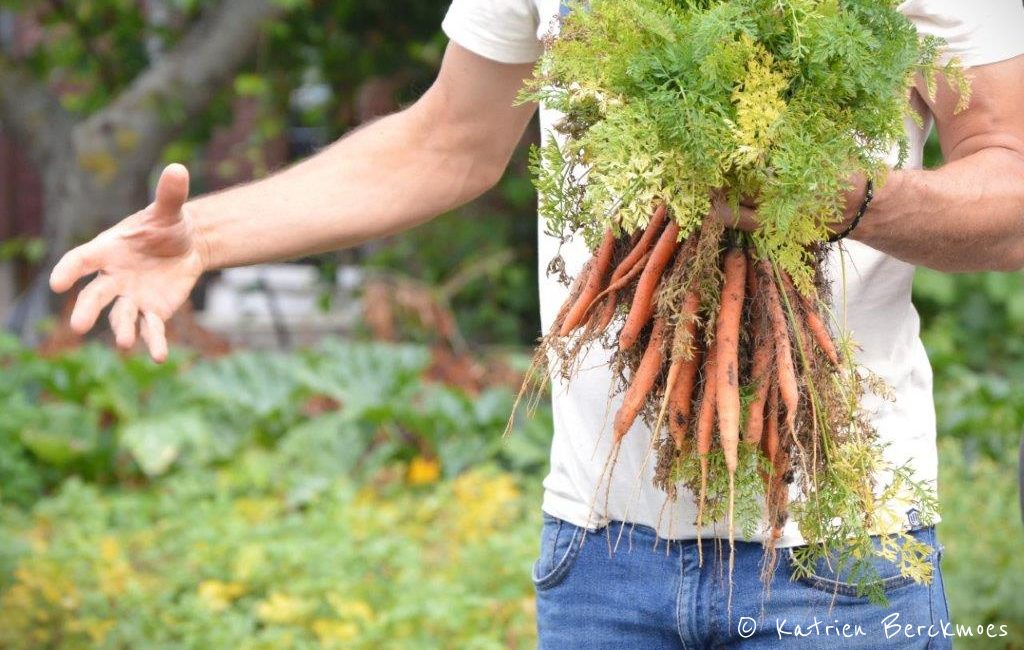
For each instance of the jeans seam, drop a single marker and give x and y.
(931, 604)
(679, 598)
(850, 590)
(563, 564)
(939, 548)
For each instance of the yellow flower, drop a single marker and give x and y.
(350, 609)
(485, 502)
(255, 510)
(114, 571)
(96, 628)
(47, 580)
(39, 535)
(423, 471)
(250, 558)
(218, 595)
(282, 609)
(332, 633)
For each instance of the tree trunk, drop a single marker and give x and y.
(95, 170)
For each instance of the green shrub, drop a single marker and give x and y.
(981, 530)
(110, 419)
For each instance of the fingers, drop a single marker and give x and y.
(171, 193)
(124, 320)
(742, 217)
(124, 316)
(154, 336)
(91, 301)
(75, 265)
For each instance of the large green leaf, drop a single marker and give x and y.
(368, 379)
(257, 384)
(60, 434)
(156, 442)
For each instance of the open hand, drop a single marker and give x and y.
(147, 265)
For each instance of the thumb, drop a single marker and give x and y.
(171, 193)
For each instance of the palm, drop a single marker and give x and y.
(147, 264)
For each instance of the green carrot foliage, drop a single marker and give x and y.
(673, 100)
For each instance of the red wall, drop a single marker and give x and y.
(21, 206)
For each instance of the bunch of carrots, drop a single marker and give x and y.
(703, 321)
(719, 338)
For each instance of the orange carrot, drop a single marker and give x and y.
(708, 400)
(789, 390)
(682, 375)
(617, 285)
(682, 398)
(643, 381)
(705, 431)
(595, 279)
(770, 440)
(604, 317)
(771, 437)
(727, 335)
(760, 367)
(643, 246)
(751, 276)
(778, 493)
(819, 331)
(643, 298)
(812, 319)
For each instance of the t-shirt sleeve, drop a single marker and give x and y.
(977, 32)
(500, 30)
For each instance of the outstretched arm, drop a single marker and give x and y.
(446, 149)
(404, 169)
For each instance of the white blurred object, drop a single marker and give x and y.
(271, 305)
(249, 291)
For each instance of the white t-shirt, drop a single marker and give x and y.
(875, 306)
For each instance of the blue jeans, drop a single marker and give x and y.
(655, 595)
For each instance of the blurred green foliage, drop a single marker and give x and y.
(983, 566)
(327, 499)
(110, 419)
(96, 48)
(332, 498)
(253, 555)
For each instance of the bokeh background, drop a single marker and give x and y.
(320, 464)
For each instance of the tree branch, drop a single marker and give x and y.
(181, 83)
(32, 113)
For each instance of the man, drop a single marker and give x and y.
(453, 144)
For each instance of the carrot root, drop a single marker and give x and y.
(595, 278)
(643, 299)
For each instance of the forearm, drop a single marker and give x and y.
(387, 177)
(966, 216)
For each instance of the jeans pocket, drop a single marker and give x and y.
(560, 544)
(833, 576)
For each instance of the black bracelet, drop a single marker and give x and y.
(869, 196)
